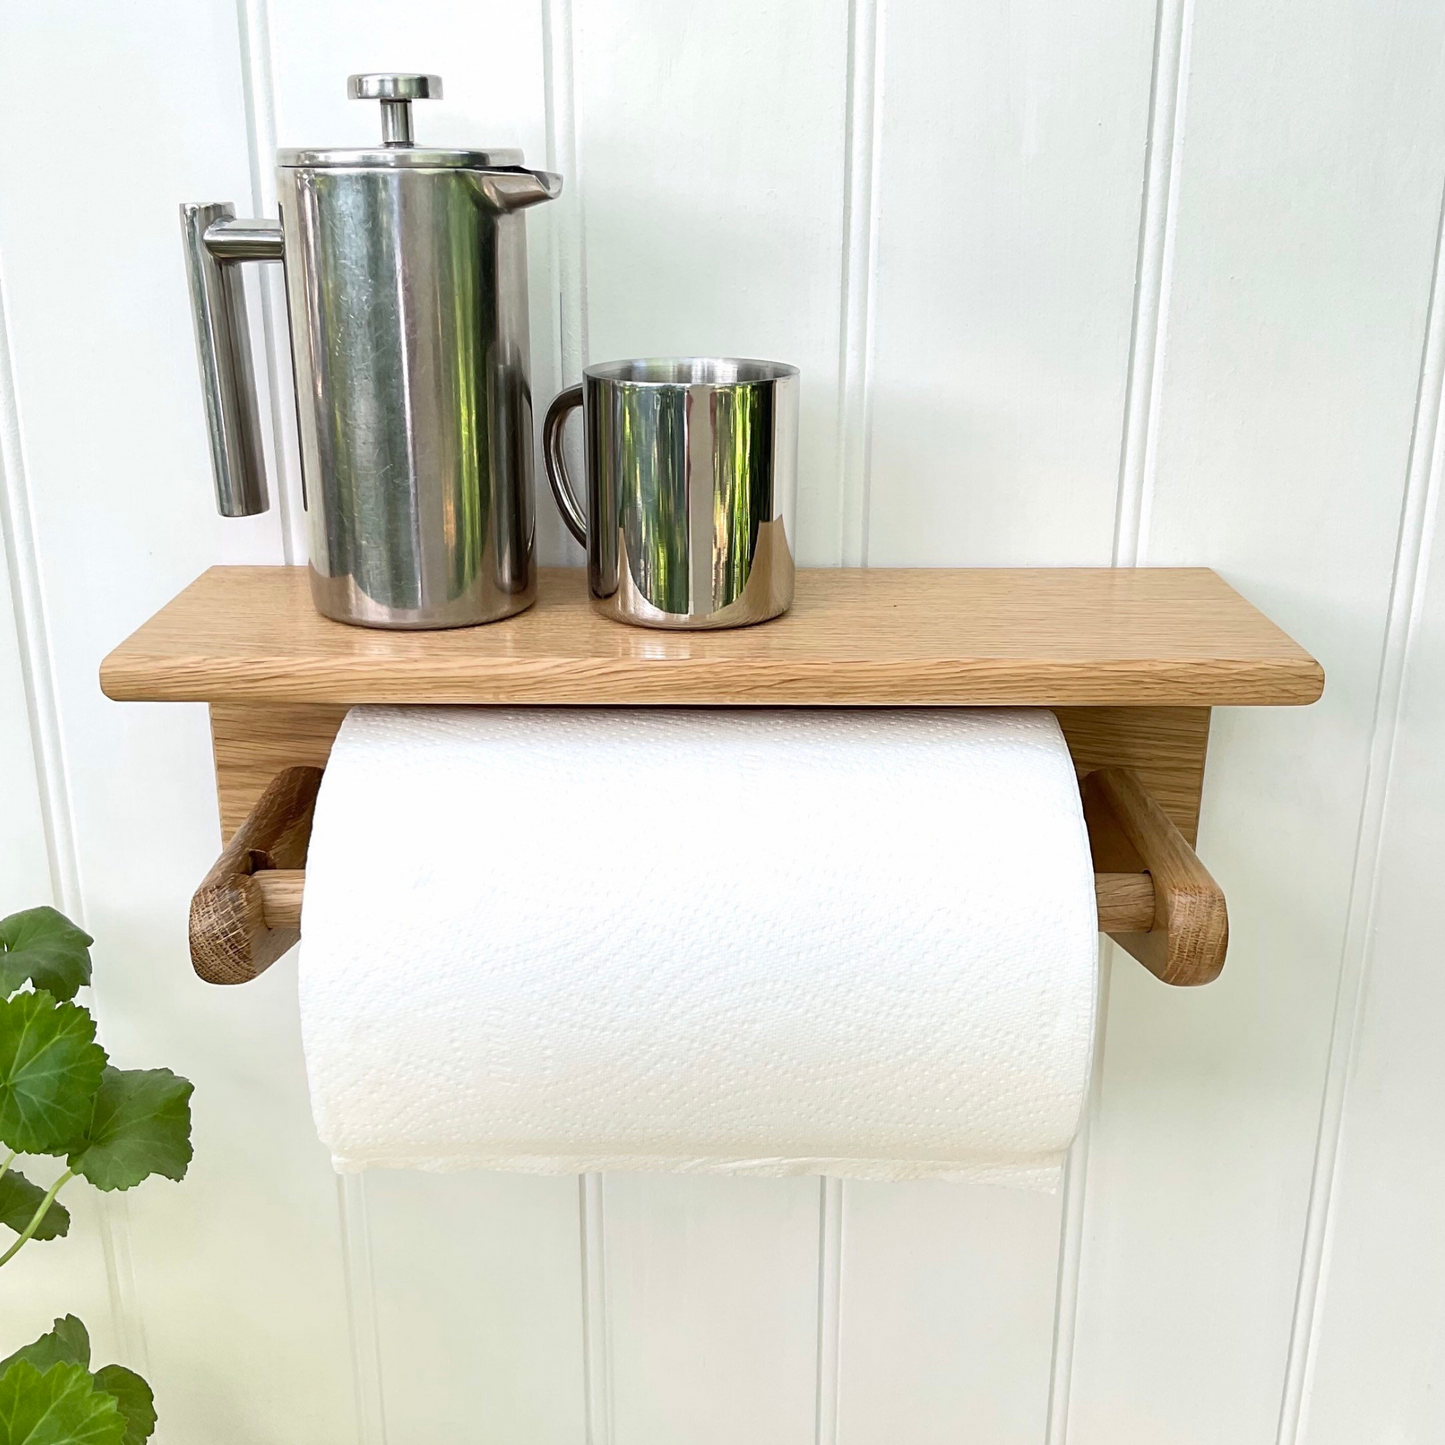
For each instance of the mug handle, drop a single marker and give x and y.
(567, 504)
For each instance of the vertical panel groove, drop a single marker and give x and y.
(830, 1312)
(567, 264)
(569, 229)
(36, 664)
(596, 1354)
(1071, 1223)
(1417, 519)
(37, 670)
(1148, 335)
(361, 1309)
(254, 28)
(864, 117)
(1152, 277)
(863, 120)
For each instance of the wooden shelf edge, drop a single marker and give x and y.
(670, 682)
(1092, 637)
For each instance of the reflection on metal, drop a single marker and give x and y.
(406, 289)
(223, 347)
(407, 293)
(767, 590)
(691, 482)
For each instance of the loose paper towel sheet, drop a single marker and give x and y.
(767, 941)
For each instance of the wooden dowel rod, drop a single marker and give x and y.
(281, 890)
(1126, 900)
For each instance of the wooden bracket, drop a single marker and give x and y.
(1153, 894)
(234, 936)
(1186, 939)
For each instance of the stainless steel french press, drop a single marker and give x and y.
(406, 293)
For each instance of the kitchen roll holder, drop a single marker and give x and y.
(1130, 660)
(1155, 898)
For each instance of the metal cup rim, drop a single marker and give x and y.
(674, 371)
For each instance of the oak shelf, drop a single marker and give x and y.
(1081, 637)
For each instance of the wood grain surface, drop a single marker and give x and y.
(232, 936)
(989, 636)
(253, 742)
(1165, 746)
(1187, 939)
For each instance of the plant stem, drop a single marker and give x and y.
(9, 1160)
(40, 1211)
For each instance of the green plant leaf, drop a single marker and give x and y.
(45, 947)
(134, 1397)
(19, 1199)
(63, 1406)
(66, 1342)
(141, 1126)
(50, 1067)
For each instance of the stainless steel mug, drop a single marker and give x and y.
(406, 294)
(691, 486)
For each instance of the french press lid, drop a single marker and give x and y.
(396, 93)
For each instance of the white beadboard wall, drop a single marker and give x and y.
(1081, 282)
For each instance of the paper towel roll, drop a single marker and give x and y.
(772, 941)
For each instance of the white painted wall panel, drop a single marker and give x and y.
(24, 868)
(1377, 1351)
(73, 1270)
(1009, 177)
(947, 1314)
(478, 1285)
(712, 1309)
(1306, 225)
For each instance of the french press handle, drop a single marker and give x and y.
(216, 242)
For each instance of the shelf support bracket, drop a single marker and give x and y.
(233, 938)
(1129, 832)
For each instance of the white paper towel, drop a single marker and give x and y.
(772, 941)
